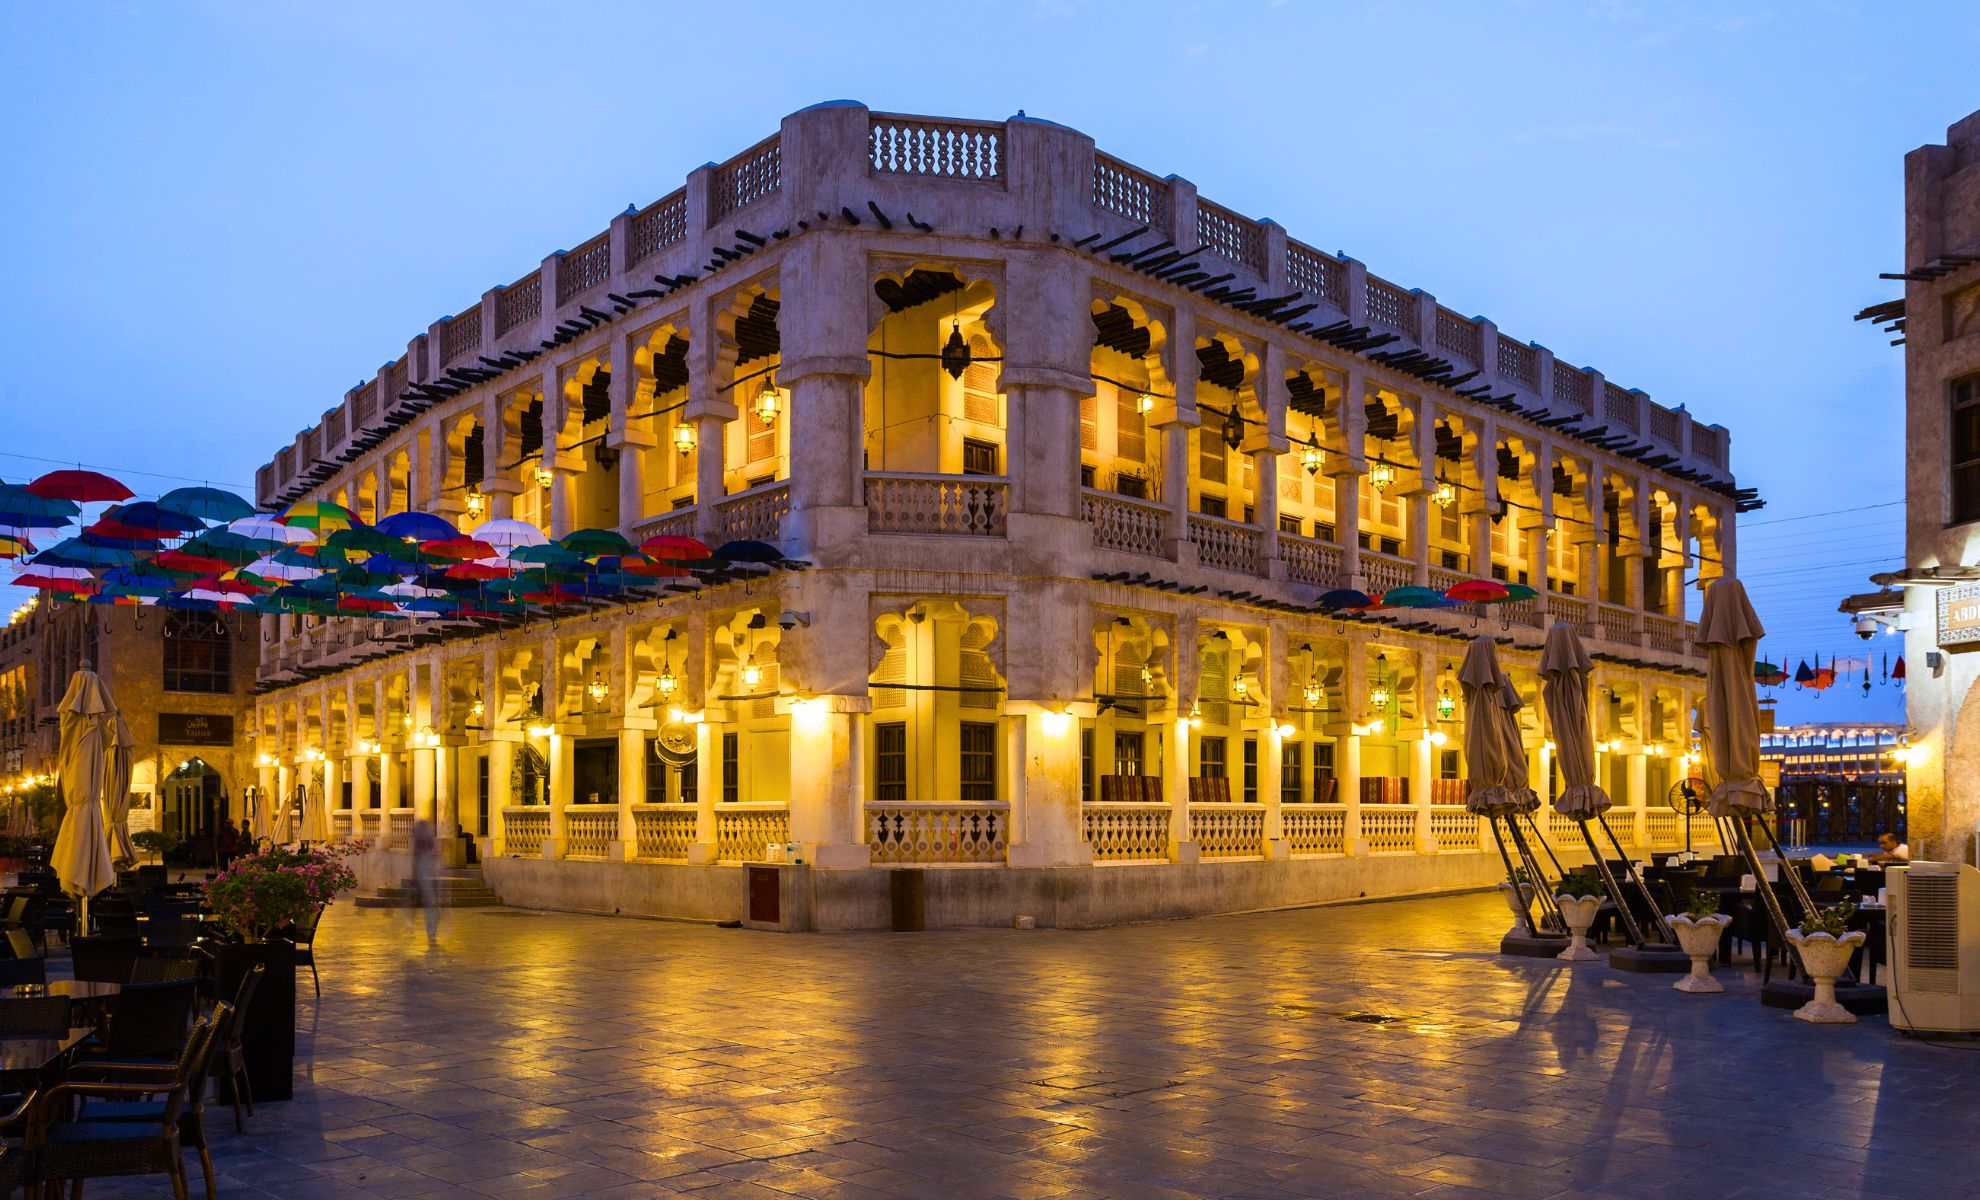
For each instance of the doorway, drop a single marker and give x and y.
(192, 806)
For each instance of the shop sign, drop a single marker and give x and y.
(1959, 617)
(195, 729)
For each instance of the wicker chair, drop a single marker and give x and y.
(42, 1016)
(236, 1055)
(304, 936)
(163, 970)
(143, 1142)
(104, 959)
(149, 1020)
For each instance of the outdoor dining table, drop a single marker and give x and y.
(25, 1060)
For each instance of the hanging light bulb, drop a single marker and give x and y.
(955, 352)
(1195, 717)
(1239, 689)
(476, 709)
(597, 688)
(769, 402)
(752, 675)
(1311, 457)
(545, 477)
(684, 438)
(1446, 493)
(1381, 475)
(1233, 428)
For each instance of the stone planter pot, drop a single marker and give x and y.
(1521, 905)
(1579, 913)
(1699, 938)
(1824, 956)
(268, 1038)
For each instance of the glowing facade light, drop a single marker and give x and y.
(1311, 456)
(1145, 405)
(1313, 693)
(1195, 718)
(769, 402)
(1379, 694)
(545, 477)
(1240, 689)
(752, 675)
(597, 688)
(1438, 737)
(1055, 722)
(1445, 495)
(667, 683)
(684, 438)
(475, 503)
(1381, 475)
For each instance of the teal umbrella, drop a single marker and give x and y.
(206, 503)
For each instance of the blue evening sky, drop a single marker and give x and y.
(216, 217)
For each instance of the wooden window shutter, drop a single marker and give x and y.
(1130, 430)
(980, 384)
(1089, 423)
(1210, 462)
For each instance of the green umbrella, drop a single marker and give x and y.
(586, 543)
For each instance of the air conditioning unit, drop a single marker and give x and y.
(1934, 922)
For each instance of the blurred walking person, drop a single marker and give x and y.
(426, 876)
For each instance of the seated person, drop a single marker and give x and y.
(1890, 850)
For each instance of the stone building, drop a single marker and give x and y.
(184, 682)
(1935, 599)
(1070, 452)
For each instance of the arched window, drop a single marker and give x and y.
(198, 654)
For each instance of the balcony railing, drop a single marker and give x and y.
(742, 831)
(590, 830)
(524, 830)
(1314, 829)
(1384, 572)
(1455, 827)
(679, 523)
(756, 514)
(1118, 523)
(1228, 830)
(1309, 561)
(1126, 832)
(1226, 545)
(971, 505)
(938, 833)
(663, 832)
(1389, 828)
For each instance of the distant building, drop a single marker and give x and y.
(184, 682)
(1935, 598)
(1836, 750)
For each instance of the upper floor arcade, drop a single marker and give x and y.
(992, 333)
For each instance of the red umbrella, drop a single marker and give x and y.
(476, 570)
(674, 545)
(109, 528)
(48, 583)
(179, 560)
(1481, 591)
(458, 548)
(80, 486)
(363, 604)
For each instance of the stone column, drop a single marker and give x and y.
(1347, 773)
(333, 792)
(707, 790)
(1265, 451)
(1046, 825)
(388, 795)
(1422, 770)
(1271, 777)
(1175, 789)
(360, 791)
(562, 781)
(1543, 527)
(501, 792)
(633, 766)
(826, 763)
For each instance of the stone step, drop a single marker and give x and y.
(456, 887)
(491, 900)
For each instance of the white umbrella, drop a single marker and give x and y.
(506, 534)
(117, 801)
(265, 528)
(82, 848)
(313, 828)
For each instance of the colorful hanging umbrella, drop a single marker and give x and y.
(205, 503)
(457, 549)
(478, 570)
(320, 515)
(417, 526)
(74, 552)
(14, 547)
(85, 487)
(505, 534)
(16, 501)
(1345, 598)
(675, 546)
(586, 543)
(1413, 597)
(108, 530)
(151, 515)
(269, 530)
(545, 552)
(1897, 669)
(749, 552)
(184, 560)
(1766, 674)
(364, 539)
(1476, 591)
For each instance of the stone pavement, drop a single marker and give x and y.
(545, 1055)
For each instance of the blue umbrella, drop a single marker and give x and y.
(419, 526)
(144, 514)
(204, 503)
(17, 501)
(74, 552)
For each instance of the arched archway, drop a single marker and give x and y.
(192, 804)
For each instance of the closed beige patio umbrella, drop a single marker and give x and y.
(314, 826)
(1495, 764)
(117, 794)
(82, 847)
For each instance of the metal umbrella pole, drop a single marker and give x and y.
(1548, 908)
(1512, 877)
(1768, 900)
(1609, 881)
(1540, 837)
(1636, 876)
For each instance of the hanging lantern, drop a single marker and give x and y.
(667, 683)
(1195, 717)
(1313, 693)
(1378, 692)
(1233, 428)
(1446, 705)
(1239, 689)
(597, 688)
(476, 709)
(769, 402)
(545, 477)
(955, 353)
(752, 675)
(684, 438)
(1311, 457)
(1446, 493)
(1145, 405)
(1381, 475)
(1147, 677)
(475, 503)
